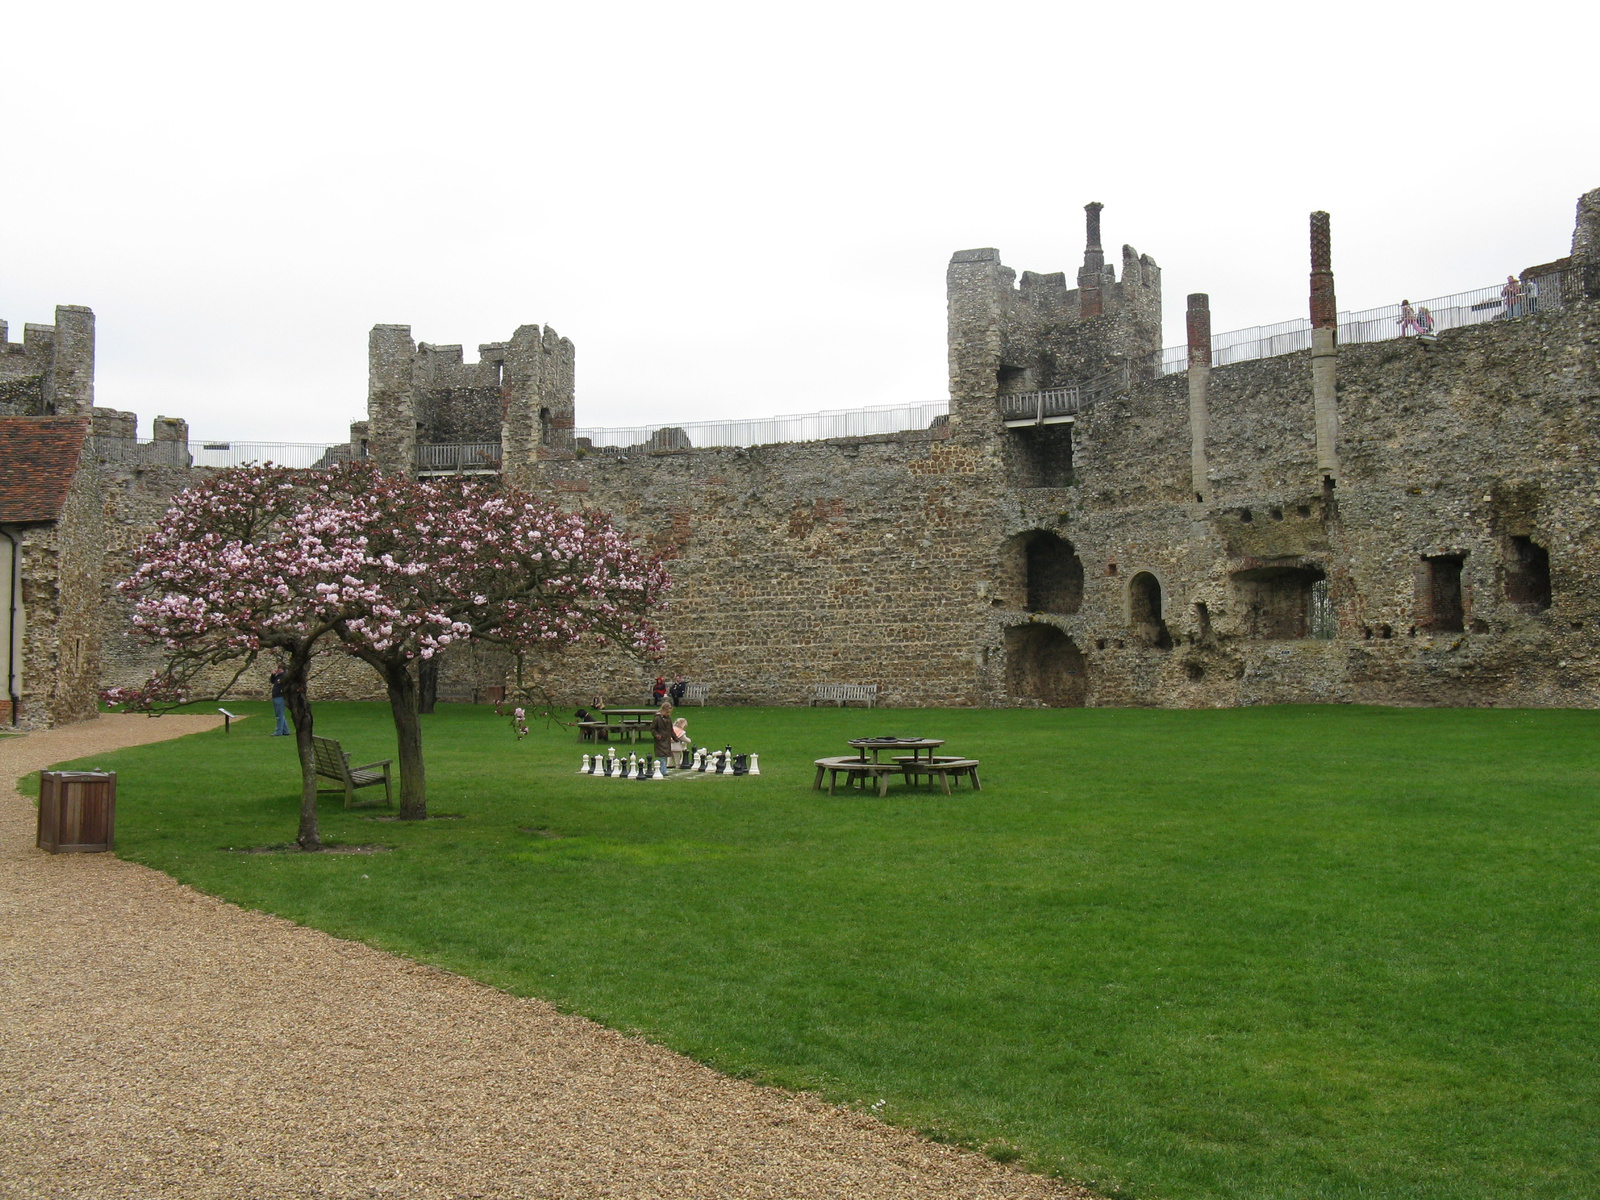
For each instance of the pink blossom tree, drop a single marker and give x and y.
(454, 559)
(226, 577)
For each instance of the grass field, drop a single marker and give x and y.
(1266, 952)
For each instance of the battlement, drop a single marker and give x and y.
(51, 371)
(1035, 332)
(519, 395)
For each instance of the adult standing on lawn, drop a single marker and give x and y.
(279, 703)
(661, 731)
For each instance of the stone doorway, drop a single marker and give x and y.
(1044, 664)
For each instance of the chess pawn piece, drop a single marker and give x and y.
(700, 759)
(616, 768)
(584, 770)
(659, 774)
(755, 764)
(633, 767)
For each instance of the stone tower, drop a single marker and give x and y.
(518, 397)
(51, 372)
(1008, 336)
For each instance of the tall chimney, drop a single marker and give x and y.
(1324, 347)
(1199, 329)
(1094, 261)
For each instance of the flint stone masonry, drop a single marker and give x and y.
(896, 560)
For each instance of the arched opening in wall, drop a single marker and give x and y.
(1044, 664)
(544, 427)
(1527, 575)
(1052, 574)
(1144, 611)
(1276, 602)
(1439, 601)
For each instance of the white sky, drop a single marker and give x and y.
(739, 209)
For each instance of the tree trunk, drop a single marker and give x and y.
(402, 691)
(299, 706)
(427, 684)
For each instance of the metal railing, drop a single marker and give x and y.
(479, 457)
(301, 455)
(1540, 293)
(800, 427)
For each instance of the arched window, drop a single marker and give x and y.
(1044, 664)
(1144, 610)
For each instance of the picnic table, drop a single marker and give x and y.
(628, 722)
(879, 744)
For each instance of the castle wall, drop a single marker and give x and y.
(51, 371)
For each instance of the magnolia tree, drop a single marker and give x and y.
(441, 561)
(225, 577)
(389, 570)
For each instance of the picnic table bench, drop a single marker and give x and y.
(942, 769)
(843, 693)
(856, 770)
(333, 763)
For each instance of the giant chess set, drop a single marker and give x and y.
(701, 761)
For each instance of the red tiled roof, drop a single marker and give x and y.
(38, 458)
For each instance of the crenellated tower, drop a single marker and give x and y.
(428, 409)
(1009, 336)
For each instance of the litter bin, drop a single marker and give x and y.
(77, 811)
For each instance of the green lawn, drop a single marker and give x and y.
(1266, 952)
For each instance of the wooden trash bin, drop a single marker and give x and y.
(77, 811)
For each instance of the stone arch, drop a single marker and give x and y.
(1042, 573)
(1144, 610)
(1044, 664)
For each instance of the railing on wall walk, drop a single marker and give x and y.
(1549, 292)
(300, 455)
(1041, 407)
(799, 427)
(480, 457)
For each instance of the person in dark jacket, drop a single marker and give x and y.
(661, 731)
(679, 687)
(279, 702)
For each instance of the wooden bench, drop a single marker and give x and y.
(844, 693)
(696, 693)
(855, 770)
(334, 763)
(944, 769)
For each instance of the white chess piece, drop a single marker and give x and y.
(633, 767)
(659, 774)
(584, 770)
(616, 768)
(755, 764)
(700, 759)
(727, 764)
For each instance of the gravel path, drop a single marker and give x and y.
(157, 1042)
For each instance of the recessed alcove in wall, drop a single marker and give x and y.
(1044, 664)
(1040, 572)
(1144, 610)
(1440, 605)
(1527, 574)
(1039, 456)
(1275, 602)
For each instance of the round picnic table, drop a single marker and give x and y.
(915, 745)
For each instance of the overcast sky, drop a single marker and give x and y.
(739, 209)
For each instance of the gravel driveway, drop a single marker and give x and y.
(156, 1042)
